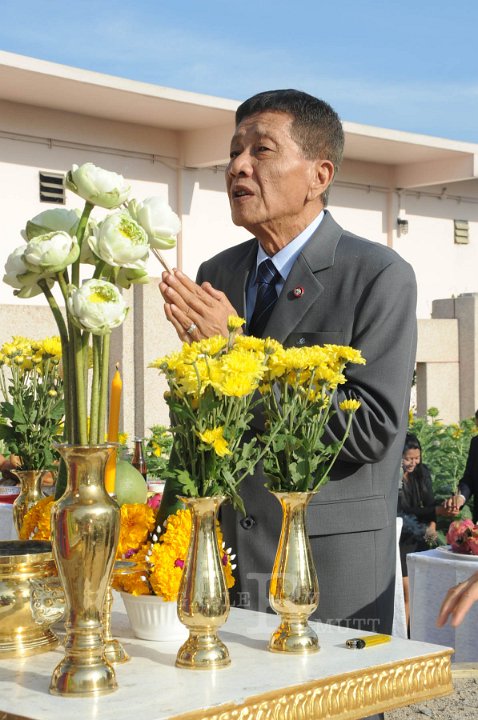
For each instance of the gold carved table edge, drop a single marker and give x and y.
(348, 696)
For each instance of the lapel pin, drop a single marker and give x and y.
(298, 292)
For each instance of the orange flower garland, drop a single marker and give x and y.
(36, 523)
(160, 563)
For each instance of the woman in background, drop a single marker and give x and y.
(417, 506)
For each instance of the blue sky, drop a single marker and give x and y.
(403, 64)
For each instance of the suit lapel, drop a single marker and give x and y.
(317, 255)
(235, 284)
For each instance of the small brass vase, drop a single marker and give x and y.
(203, 599)
(30, 494)
(85, 525)
(294, 588)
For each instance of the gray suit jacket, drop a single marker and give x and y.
(356, 293)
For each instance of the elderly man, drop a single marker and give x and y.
(324, 285)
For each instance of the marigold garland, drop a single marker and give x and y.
(36, 523)
(160, 562)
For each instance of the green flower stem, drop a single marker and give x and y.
(80, 233)
(64, 339)
(105, 359)
(332, 462)
(95, 391)
(85, 340)
(71, 365)
(81, 404)
(265, 448)
(99, 270)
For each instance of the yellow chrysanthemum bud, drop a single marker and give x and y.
(234, 322)
(350, 406)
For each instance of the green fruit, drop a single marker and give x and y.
(130, 486)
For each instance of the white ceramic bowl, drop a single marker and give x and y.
(154, 619)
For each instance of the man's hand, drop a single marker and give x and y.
(196, 311)
(453, 505)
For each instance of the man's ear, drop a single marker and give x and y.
(322, 175)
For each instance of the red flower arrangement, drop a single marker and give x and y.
(462, 536)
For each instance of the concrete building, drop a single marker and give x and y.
(415, 193)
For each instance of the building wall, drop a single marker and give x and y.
(362, 200)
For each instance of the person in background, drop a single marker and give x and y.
(468, 485)
(458, 601)
(7, 464)
(417, 506)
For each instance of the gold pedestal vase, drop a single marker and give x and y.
(30, 494)
(203, 599)
(85, 525)
(294, 588)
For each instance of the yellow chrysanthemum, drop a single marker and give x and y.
(345, 353)
(350, 406)
(212, 346)
(234, 322)
(249, 342)
(51, 346)
(215, 438)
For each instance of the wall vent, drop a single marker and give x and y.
(461, 235)
(52, 188)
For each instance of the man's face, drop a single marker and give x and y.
(269, 181)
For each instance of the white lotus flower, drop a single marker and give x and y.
(18, 275)
(120, 241)
(97, 186)
(158, 219)
(51, 252)
(50, 221)
(97, 306)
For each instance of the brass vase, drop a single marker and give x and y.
(85, 525)
(26, 568)
(30, 494)
(203, 599)
(294, 588)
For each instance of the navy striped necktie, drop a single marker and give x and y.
(266, 279)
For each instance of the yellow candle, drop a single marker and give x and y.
(113, 429)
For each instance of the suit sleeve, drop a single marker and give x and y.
(385, 332)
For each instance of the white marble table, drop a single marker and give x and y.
(431, 574)
(335, 682)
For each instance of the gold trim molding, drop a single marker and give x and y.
(349, 696)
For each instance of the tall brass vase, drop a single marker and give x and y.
(294, 588)
(30, 493)
(85, 525)
(203, 599)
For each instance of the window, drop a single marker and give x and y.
(461, 232)
(52, 188)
